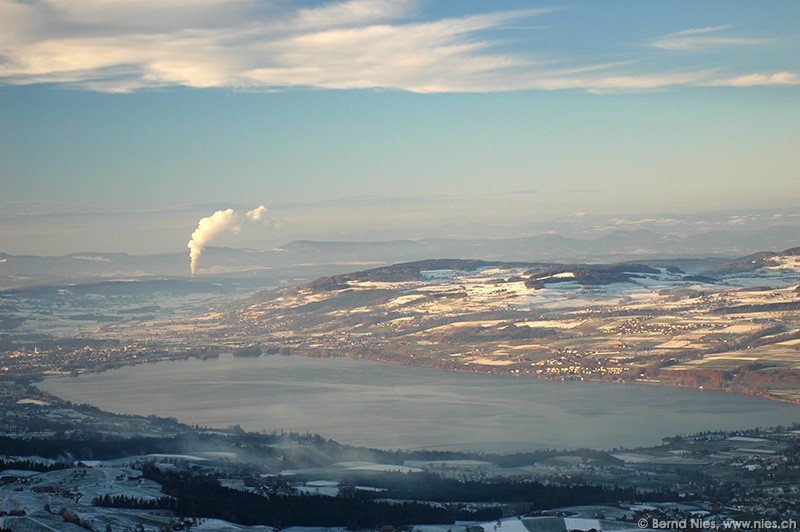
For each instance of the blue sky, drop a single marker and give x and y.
(122, 123)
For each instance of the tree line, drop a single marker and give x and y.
(198, 495)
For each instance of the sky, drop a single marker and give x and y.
(122, 122)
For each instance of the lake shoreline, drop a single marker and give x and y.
(475, 369)
(501, 398)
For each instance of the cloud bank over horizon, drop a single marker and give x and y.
(126, 45)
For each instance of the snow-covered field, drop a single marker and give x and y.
(42, 496)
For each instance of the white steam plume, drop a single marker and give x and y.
(207, 229)
(211, 226)
(257, 213)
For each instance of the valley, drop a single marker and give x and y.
(732, 326)
(729, 325)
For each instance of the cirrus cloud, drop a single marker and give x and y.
(127, 45)
(698, 38)
(759, 79)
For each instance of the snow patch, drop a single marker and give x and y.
(90, 258)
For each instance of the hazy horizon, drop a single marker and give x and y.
(371, 120)
(93, 230)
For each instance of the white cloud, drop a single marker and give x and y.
(699, 38)
(613, 82)
(126, 45)
(352, 13)
(758, 79)
(122, 45)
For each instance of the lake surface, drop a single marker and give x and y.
(368, 403)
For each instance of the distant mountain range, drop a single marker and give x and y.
(304, 260)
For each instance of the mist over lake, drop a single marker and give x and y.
(368, 403)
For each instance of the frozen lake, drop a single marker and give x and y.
(367, 403)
